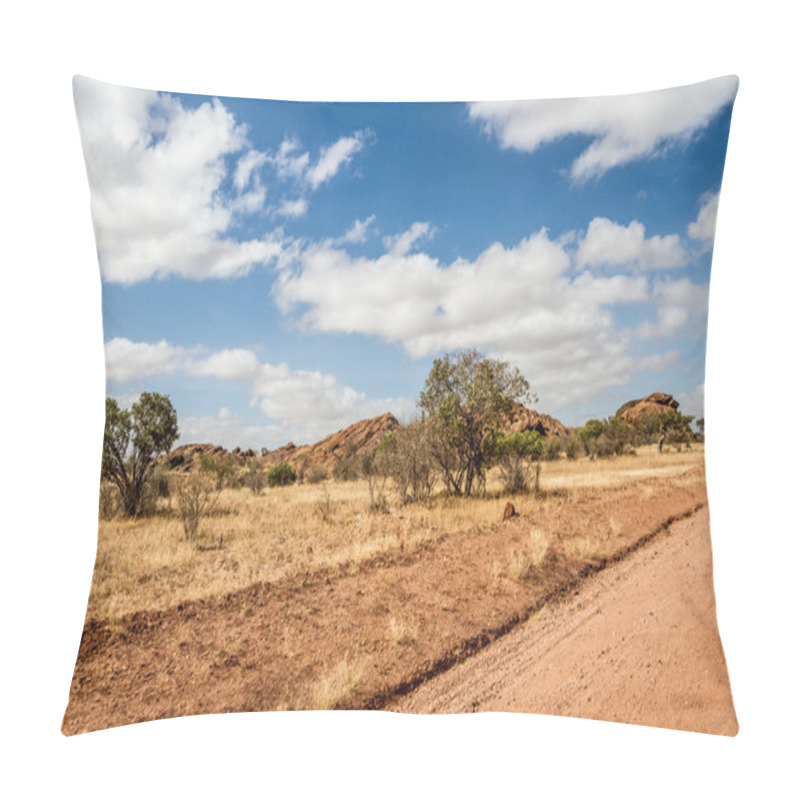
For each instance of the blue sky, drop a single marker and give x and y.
(281, 270)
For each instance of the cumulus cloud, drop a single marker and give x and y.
(524, 303)
(608, 243)
(622, 128)
(703, 228)
(156, 172)
(680, 305)
(304, 405)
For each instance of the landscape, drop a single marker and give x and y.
(404, 407)
(337, 588)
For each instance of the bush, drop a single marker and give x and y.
(347, 468)
(221, 467)
(552, 448)
(515, 455)
(410, 463)
(254, 477)
(282, 474)
(109, 500)
(315, 474)
(196, 496)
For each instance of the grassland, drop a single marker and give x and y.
(289, 532)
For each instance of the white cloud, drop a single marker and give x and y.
(623, 128)
(333, 157)
(127, 360)
(156, 170)
(680, 305)
(304, 405)
(703, 228)
(292, 164)
(693, 402)
(607, 243)
(245, 167)
(357, 233)
(401, 243)
(293, 208)
(523, 303)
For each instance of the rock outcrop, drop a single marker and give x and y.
(634, 411)
(353, 440)
(187, 457)
(522, 419)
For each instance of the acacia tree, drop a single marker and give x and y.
(464, 397)
(132, 442)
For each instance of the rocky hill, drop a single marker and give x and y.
(356, 438)
(635, 410)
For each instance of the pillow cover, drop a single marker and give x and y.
(405, 407)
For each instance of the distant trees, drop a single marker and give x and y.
(464, 397)
(132, 442)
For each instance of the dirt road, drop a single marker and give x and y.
(637, 642)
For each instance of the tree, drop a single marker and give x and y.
(131, 443)
(464, 397)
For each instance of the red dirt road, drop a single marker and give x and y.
(637, 642)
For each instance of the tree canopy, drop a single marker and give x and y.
(131, 443)
(465, 395)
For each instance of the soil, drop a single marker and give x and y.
(635, 643)
(394, 623)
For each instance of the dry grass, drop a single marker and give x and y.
(148, 564)
(524, 561)
(333, 689)
(403, 632)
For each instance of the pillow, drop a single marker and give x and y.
(404, 407)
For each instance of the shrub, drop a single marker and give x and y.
(221, 467)
(254, 477)
(514, 455)
(373, 465)
(347, 468)
(315, 474)
(410, 462)
(282, 474)
(109, 500)
(552, 448)
(196, 496)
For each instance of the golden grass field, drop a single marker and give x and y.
(281, 533)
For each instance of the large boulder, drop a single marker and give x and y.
(634, 411)
(521, 419)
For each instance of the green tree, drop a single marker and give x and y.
(132, 442)
(464, 397)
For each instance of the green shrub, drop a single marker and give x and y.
(281, 474)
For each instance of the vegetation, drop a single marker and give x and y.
(222, 467)
(197, 496)
(282, 474)
(410, 462)
(464, 397)
(254, 477)
(514, 455)
(131, 443)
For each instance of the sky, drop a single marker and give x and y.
(281, 270)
